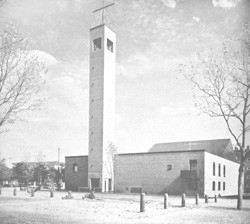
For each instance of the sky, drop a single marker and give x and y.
(154, 102)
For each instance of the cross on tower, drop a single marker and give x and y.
(102, 8)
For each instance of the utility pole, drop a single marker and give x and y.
(58, 155)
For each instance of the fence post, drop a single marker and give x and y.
(165, 201)
(14, 191)
(215, 198)
(206, 198)
(197, 199)
(183, 200)
(142, 202)
(32, 192)
(51, 193)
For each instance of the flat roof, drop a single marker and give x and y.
(75, 156)
(148, 153)
(103, 24)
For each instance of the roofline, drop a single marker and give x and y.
(75, 156)
(146, 153)
(194, 141)
(103, 24)
(223, 157)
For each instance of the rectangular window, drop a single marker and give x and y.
(169, 167)
(75, 168)
(224, 186)
(248, 185)
(97, 44)
(214, 168)
(136, 190)
(218, 186)
(248, 177)
(248, 159)
(219, 170)
(213, 186)
(224, 171)
(109, 45)
(193, 164)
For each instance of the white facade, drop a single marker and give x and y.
(101, 104)
(220, 176)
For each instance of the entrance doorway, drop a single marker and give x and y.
(95, 183)
(193, 164)
(110, 185)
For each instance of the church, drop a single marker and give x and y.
(205, 166)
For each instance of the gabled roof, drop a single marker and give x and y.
(219, 147)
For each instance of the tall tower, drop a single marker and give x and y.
(101, 105)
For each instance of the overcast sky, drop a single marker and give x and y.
(153, 102)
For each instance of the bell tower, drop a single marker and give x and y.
(101, 106)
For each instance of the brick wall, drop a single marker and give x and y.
(73, 180)
(150, 171)
(101, 101)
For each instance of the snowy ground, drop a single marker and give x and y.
(114, 208)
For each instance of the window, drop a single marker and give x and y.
(75, 168)
(219, 170)
(218, 186)
(97, 44)
(193, 164)
(248, 168)
(213, 186)
(109, 45)
(224, 186)
(169, 167)
(248, 186)
(214, 168)
(136, 190)
(224, 171)
(248, 177)
(248, 159)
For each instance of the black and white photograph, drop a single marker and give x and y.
(118, 111)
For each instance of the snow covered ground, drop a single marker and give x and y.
(114, 208)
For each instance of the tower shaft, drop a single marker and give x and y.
(101, 106)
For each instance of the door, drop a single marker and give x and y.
(110, 185)
(193, 164)
(95, 183)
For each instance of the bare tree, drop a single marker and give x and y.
(222, 89)
(110, 160)
(20, 77)
(2, 2)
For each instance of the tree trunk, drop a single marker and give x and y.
(240, 187)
